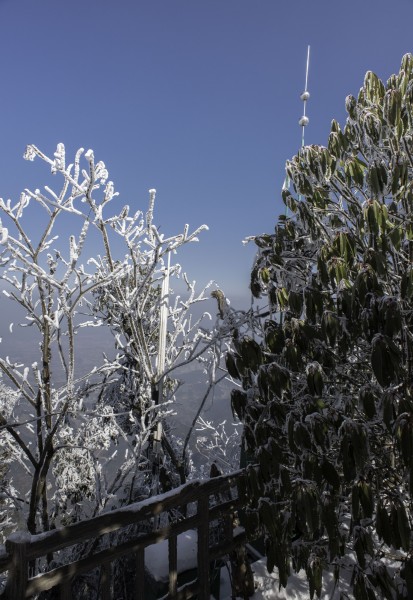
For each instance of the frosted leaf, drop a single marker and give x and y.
(248, 239)
(89, 155)
(4, 232)
(30, 153)
(24, 202)
(101, 172)
(59, 161)
(109, 190)
(124, 213)
(8, 399)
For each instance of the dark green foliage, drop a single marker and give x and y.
(327, 392)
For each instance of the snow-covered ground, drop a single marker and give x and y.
(267, 585)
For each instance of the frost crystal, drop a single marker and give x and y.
(30, 153)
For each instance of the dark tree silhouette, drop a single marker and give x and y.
(326, 392)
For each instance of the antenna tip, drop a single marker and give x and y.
(305, 96)
(304, 121)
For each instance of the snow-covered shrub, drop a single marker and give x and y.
(89, 439)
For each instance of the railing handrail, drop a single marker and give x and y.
(57, 539)
(21, 547)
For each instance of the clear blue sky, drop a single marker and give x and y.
(198, 98)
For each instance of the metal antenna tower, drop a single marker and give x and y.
(303, 122)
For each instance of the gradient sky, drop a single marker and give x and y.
(198, 98)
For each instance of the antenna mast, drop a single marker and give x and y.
(303, 122)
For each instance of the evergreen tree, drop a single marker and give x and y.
(327, 390)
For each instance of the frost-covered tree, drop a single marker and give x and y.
(84, 441)
(9, 500)
(327, 399)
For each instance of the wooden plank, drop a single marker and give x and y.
(228, 527)
(106, 582)
(203, 548)
(16, 547)
(173, 564)
(140, 575)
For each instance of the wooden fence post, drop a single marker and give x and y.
(16, 547)
(203, 548)
(140, 575)
(65, 590)
(106, 582)
(173, 565)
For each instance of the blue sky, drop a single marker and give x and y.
(198, 98)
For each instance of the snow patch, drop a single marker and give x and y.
(156, 556)
(267, 584)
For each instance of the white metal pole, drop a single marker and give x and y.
(304, 97)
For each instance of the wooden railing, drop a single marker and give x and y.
(215, 500)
